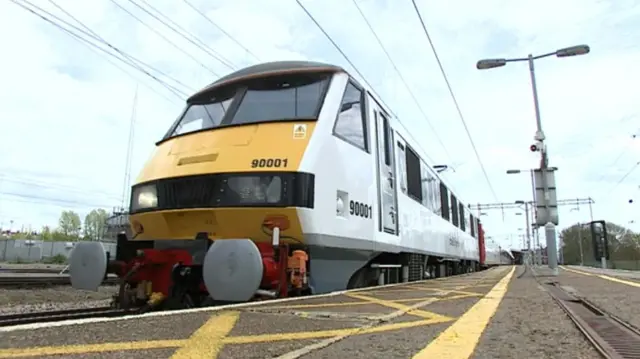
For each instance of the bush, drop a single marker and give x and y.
(57, 259)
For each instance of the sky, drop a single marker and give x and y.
(66, 108)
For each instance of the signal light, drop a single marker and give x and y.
(533, 148)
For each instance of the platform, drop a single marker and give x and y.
(448, 317)
(616, 295)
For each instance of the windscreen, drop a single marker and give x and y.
(293, 97)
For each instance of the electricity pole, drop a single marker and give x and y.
(545, 201)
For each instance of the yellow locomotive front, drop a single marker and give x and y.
(213, 212)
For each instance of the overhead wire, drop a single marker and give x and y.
(189, 36)
(165, 38)
(60, 188)
(633, 168)
(199, 12)
(620, 155)
(21, 197)
(355, 68)
(406, 85)
(100, 39)
(344, 55)
(92, 46)
(455, 101)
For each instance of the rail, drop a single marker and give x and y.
(612, 337)
(36, 281)
(60, 315)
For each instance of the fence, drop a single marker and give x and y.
(31, 250)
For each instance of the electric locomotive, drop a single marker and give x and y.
(281, 179)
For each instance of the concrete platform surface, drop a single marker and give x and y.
(617, 296)
(620, 273)
(442, 318)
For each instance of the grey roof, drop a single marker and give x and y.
(267, 67)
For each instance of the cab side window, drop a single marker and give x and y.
(351, 125)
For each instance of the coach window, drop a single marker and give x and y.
(413, 175)
(402, 167)
(435, 194)
(472, 220)
(426, 185)
(463, 217)
(444, 201)
(454, 210)
(351, 125)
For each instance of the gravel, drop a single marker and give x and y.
(529, 324)
(52, 298)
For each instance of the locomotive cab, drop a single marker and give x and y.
(214, 213)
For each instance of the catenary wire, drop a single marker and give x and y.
(92, 46)
(406, 85)
(189, 36)
(455, 101)
(165, 38)
(100, 39)
(221, 29)
(633, 168)
(379, 98)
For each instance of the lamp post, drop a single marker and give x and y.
(539, 137)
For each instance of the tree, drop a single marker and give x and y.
(95, 224)
(624, 245)
(69, 224)
(45, 233)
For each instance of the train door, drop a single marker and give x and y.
(387, 193)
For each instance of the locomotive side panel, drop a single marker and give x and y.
(340, 227)
(340, 157)
(423, 229)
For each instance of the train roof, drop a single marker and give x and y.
(270, 68)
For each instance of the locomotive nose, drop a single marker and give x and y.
(87, 265)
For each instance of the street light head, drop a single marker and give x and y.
(490, 63)
(513, 172)
(519, 202)
(573, 51)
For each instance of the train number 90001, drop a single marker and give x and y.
(360, 209)
(269, 162)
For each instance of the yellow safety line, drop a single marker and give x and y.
(207, 341)
(612, 279)
(460, 339)
(401, 308)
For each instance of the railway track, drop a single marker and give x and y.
(30, 270)
(60, 315)
(44, 280)
(612, 337)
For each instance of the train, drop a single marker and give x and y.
(283, 179)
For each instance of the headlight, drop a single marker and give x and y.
(144, 197)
